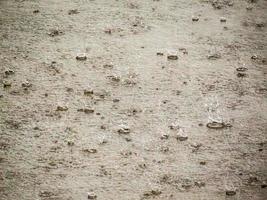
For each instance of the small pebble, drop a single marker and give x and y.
(86, 110)
(241, 69)
(90, 150)
(26, 84)
(62, 108)
(202, 162)
(91, 196)
(104, 141)
(9, 72)
(7, 84)
(200, 184)
(55, 32)
(88, 92)
(181, 135)
(116, 100)
(114, 78)
(222, 19)
(174, 126)
(124, 129)
(128, 139)
(214, 56)
(72, 12)
(164, 136)
(241, 75)
(81, 57)
(217, 125)
(103, 127)
(195, 19)
(36, 11)
(160, 54)
(108, 31)
(152, 193)
(230, 192)
(70, 143)
(172, 57)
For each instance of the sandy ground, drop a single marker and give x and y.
(126, 120)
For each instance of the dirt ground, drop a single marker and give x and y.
(133, 99)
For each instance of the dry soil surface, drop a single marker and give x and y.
(133, 99)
